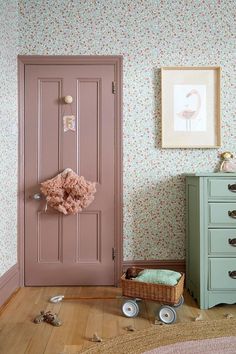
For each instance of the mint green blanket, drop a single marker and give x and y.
(158, 276)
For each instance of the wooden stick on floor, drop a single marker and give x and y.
(59, 298)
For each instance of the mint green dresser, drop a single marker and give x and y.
(211, 238)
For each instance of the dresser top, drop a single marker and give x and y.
(210, 174)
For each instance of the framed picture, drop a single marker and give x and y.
(190, 107)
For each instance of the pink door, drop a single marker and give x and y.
(69, 250)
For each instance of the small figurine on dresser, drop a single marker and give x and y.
(228, 163)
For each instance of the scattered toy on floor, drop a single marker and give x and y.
(130, 328)
(228, 315)
(52, 319)
(96, 338)
(198, 318)
(40, 318)
(48, 317)
(158, 322)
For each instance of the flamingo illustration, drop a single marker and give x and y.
(189, 114)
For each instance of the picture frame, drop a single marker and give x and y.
(190, 98)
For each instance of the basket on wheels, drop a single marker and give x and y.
(170, 295)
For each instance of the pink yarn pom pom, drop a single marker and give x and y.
(68, 193)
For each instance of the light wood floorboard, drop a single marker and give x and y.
(81, 319)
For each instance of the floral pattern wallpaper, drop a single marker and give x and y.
(8, 134)
(149, 34)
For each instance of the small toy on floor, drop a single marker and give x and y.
(130, 328)
(39, 318)
(158, 322)
(48, 317)
(228, 315)
(198, 317)
(96, 338)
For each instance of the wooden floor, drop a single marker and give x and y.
(81, 319)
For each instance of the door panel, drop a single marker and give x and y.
(89, 94)
(49, 92)
(89, 249)
(69, 250)
(48, 251)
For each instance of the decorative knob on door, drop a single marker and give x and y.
(68, 99)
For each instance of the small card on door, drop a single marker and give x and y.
(69, 123)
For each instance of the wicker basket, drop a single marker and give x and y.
(166, 294)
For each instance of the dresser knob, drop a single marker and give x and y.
(232, 274)
(232, 187)
(232, 242)
(232, 214)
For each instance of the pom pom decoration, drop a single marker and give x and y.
(68, 192)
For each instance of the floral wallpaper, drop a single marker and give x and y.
(149, 34)
(8, 134)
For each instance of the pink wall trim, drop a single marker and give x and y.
(9, 282)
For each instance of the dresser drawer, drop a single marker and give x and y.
(219, 214)
(219, 276)
(222, 241)
(222, 188)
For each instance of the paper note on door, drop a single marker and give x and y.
(69, 123)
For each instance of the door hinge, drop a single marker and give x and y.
(113, 253)
(113, 87)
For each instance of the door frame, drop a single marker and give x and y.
(117, 62)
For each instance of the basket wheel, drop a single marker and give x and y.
(167, 314)
(130, 308)
(180, 302)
